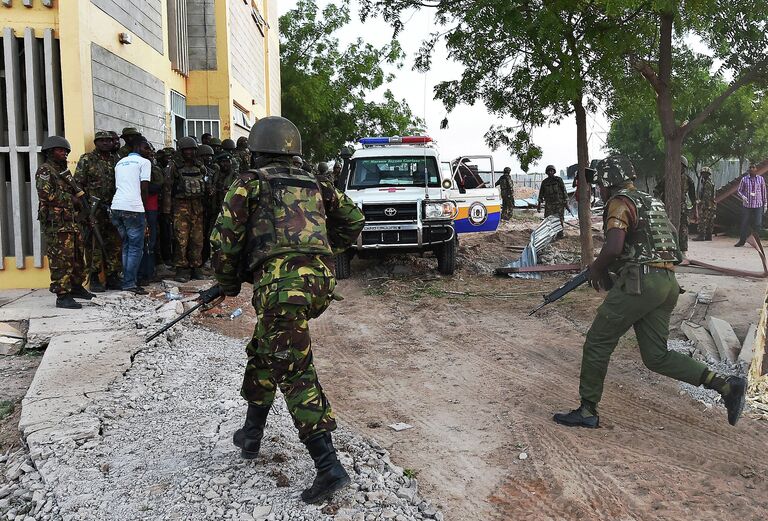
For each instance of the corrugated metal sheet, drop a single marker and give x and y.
(541, 237)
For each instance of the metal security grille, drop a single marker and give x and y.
(178, 40)
(30, 111)
(198, 127)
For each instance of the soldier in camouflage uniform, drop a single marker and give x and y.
(707, 205)
(95, 173)
(552, 193)
(165, 217)
(114, 157)
(213, 173)
(216, 145)
(129, 136)
(276, 223)
(243, 154)
(60, 202)
(189, 192)
(507, 189)
(687, 198)
(230, 148)
(641, 248)
(226, 175)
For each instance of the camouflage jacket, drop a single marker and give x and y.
(96, 176)
(123, 151)
(552, 191)
(244, 158)
(57, 209)
(231, 234)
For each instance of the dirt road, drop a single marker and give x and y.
(479, 381)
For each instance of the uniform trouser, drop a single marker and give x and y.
(280, 352)
(188, 233)
(95, 260)
(682, 236)
(751, 222)
(649, 315)
(507, 206)
(706, 221)
(65, 259)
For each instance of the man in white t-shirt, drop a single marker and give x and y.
(132, 175)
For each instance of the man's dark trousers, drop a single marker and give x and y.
(751, 220)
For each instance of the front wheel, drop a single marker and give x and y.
(446, 257)
(343, 265)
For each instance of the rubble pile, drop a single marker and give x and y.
(163, 449)
(707, 397)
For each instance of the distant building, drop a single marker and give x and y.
(167, 67)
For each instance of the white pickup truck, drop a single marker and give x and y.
(412, 202)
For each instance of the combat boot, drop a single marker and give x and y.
(733, 389)
(81, 292)
(248, 438)
(708, 237)
(94, 284)
(197, 274)
(584, 416)
(182, 275)
(331, 476)
(66, 301)
(114, 282)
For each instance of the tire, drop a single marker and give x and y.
(343, 267)
(446, 257)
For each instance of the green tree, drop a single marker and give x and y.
(327, 90)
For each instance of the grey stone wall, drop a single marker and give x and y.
(201, 30)
(144, 18)
(125, 95)
(246, 50)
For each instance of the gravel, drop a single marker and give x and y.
(708, 397)
(164, 448)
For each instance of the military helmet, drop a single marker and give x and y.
(297, 161)
(56, 142)
(615, 171)
(684, 161)
(228, 144)
(187, 142)
(130, 131)
(222, 156)
(322, 168)
(550, 167)
(204, 150)
(214, 141)
(275, 135)
(706, 170)
(102, 134)
(508, 170)
(242, 141)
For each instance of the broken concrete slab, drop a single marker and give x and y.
(748, 348)
(701, 339)
(727, 342)
(10, 346)
(706, 294)
(10, 331)
(42, 329)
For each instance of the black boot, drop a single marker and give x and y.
(94, 283)
(66, 301)
(248, 439)
(81, 292)
(584, 416)
(733, 389)
(331, 476)
(114, 282)
(197, 274)
(182, 275)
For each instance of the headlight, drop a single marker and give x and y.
(440, 210)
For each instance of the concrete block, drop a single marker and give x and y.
(41, 330)
(701, 339)
(10, 345)
(748, 348)
(706, 294)
(727, 342)
(10, 331)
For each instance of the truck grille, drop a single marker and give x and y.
(394, 237)
(390, 212)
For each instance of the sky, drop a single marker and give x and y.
(467, 124)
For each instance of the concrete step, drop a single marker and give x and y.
(701, 339)
(727, 342)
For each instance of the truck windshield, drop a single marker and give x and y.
(370, 172)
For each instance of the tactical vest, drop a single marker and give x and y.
(655, 239)
(551, 191)
(190, 183)
(289, 218)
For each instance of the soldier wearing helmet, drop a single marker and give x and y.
(707, 205)
(164, 158)
(230, 148)
(243, 154)
(276, 224)
(129, 135)
(115, 147)
(95, 173)
(687, 202)
(213, 172)
(224, 179)
(189, 192)
(507, 189)
(641, 249)
(60, 201)
(215, 144)
(552, 193)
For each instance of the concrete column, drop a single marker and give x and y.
(34, 121)
(52, 80)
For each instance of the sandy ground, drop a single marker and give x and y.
(479, 381)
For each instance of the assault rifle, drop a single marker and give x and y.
(563, 290)
(208, 298)
(90, 204)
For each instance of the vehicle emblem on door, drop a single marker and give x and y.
(390, 212)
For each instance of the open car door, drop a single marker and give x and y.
(475, 193)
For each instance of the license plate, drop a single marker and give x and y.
(382, 228)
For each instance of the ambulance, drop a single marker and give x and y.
(413, 202)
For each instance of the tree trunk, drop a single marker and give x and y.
(585, 193)
(673, 151)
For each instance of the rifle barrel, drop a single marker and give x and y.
(172, 323)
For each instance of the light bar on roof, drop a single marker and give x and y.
(406, 140)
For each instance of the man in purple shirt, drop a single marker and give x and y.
(753, 197)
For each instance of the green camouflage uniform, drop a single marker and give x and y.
(123, 151)
(506, 187)
(243, 159)
(707, 206)
(688, 195)
(552, 193)
(288, 220)
(649, 253)
(96, 176)
(57, 213)
(188, 188)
